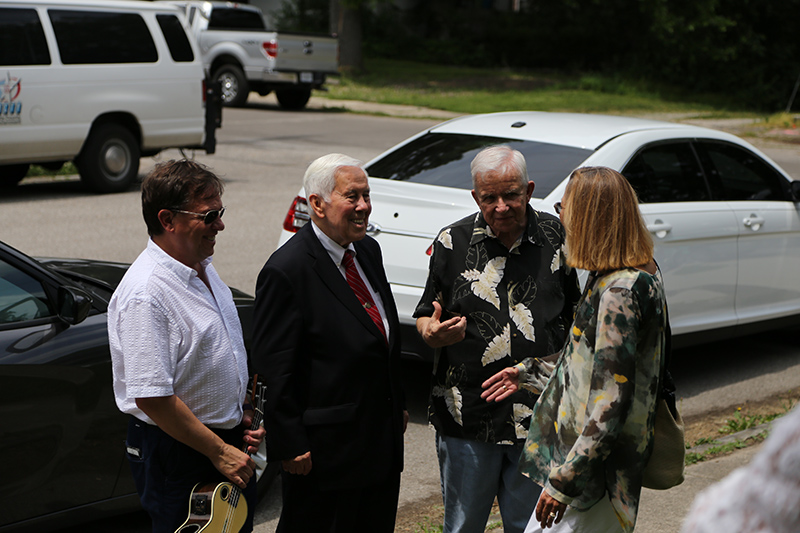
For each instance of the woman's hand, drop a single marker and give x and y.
(501, 385)
(549, 511)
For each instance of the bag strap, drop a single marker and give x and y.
(666, 386)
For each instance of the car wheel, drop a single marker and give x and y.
(235, 88)
(10, 175)
(109, 161)
(293, 99)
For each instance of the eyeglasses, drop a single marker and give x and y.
(208, 218)
(558, 207)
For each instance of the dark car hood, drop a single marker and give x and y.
(106, 272)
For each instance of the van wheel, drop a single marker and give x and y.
(10, 175)
(109, 161)
(235, 88)
(293, 99)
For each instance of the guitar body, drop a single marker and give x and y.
(215, 508)
(221, 507)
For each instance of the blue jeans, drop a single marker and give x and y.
(474, 473)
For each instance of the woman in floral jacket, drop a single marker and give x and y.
(592, 429)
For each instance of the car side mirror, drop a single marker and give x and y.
(794, 188)
(74, 305)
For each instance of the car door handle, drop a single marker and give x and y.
(659, 228)
(754, 222)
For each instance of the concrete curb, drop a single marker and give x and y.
(739, 436)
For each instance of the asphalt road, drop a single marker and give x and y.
(262, 154)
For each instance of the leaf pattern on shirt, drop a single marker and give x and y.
(557, 260)
(453, 400)
(499, 347)
(520, 297)
(446, 239)
(551, 228)
(521, 413)
(463, 365)
(484, 283)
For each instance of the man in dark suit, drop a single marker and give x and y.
(326, 341)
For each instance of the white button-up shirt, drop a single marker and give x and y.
(169, 334)
(336, 252)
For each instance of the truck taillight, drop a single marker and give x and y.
(270, 48)
(298, 215)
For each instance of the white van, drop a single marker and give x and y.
(101, 83)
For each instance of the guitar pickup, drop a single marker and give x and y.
(200, 504)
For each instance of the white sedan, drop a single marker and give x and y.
(724, 217)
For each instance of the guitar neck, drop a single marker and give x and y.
(258, 410)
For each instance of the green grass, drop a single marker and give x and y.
(67, 170)
(474, 90)
(740, 421)
(714, 451)
(428, 526)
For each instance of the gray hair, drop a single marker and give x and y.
(501, 159)
(320, 176)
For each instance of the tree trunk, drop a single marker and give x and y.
(333, 17)
(350, 57)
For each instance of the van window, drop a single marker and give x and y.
(22, 39)
(175, 35)
(93, 37)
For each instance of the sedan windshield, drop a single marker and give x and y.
(443, 159)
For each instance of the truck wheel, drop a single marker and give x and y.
(10, 175)
(235, 88)
(293, 99)
(109, 161)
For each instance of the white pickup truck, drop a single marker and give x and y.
(239, 51)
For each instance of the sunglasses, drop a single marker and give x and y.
(208, 218)
(558, 207)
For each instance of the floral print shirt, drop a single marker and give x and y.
(518, 303)
(592, 429)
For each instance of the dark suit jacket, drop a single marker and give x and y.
(333, 384)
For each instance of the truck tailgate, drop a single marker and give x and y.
(307, 53)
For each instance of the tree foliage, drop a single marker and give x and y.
(747, 50)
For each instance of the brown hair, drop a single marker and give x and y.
(605, 230)
(175, 185)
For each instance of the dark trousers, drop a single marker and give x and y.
(165, 471)
(307, 509)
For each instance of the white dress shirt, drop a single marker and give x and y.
(336, 252)
(169, 334)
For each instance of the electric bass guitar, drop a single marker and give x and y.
(221, 507)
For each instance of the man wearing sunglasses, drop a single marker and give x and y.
(177, 351)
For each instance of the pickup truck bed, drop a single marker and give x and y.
(239, 51)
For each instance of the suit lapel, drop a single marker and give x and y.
(326, 269)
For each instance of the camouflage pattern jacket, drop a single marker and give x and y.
(592, 429)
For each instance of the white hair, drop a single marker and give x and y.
(320, 176)
(501, 159)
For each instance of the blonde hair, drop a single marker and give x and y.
(605, 230)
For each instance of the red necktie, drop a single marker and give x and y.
(361, 290)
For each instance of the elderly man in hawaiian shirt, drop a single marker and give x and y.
(498, 291)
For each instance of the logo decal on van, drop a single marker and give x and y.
(10, 105)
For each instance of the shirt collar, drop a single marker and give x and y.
(481, 230)
(181, 271)
(333, 248)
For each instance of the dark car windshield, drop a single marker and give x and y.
(443, 159)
